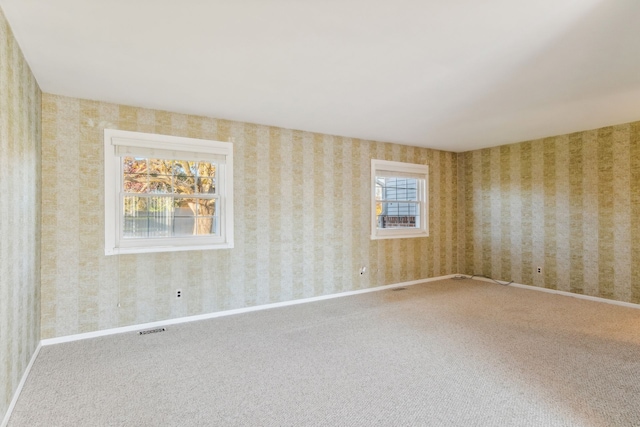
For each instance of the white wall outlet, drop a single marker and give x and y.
(539, 270)
(178, 293)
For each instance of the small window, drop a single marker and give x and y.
(165, 193)
(398, 200)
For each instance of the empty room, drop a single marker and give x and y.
(320, 213)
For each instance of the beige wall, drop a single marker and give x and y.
(569, 204)
(302, 222)
(19, 215)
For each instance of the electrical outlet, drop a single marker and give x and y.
(539, 270)
(178, 293)
(363, 270)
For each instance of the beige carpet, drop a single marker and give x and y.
(449, 353)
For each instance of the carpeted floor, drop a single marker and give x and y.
(448, 353)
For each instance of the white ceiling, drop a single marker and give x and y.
(448, 74)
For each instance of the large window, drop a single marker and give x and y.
(398, 200)
(165, 193)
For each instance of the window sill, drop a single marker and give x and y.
(152, 249)
(399, 235)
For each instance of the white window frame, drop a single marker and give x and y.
(168, 147)
(421, 172)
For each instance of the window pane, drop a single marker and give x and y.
(146, 217)
(399, 215)
(207, 226)
(171, 215)
(159, 204)
(206, 222)
(205, 185)
(184, 217)
(134, 165)
(160, 176)
(206, 207)
(136, 206)
(146, 175)
(159, 224)
(160, 167)
(183, 177)
(195, 217)
(136, 215)
(206, 169)
(184, 168)
(168, 176)
(396, 188)
(136, 183)
(160, 210)
(160, 184)
(397, 211)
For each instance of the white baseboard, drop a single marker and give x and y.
(150, 325)
(565, 293)
(16, 395)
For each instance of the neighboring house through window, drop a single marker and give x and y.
(398, 200)
(166, 193)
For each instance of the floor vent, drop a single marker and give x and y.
(151, 331)
(399, 289)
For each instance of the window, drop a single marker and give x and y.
(166, 193)
(398, 200)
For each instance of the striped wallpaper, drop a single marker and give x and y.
(302, 226)
(19, 215)
(568, 204)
